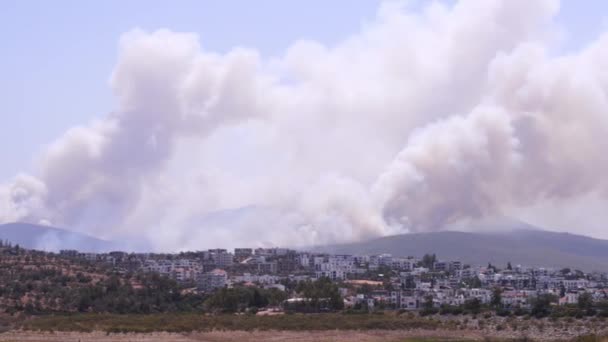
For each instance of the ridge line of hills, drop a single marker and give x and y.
(53, 239)
(526, 246)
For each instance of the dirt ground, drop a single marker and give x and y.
(224, 336)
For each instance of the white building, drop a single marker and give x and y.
(180, 269)
(222, 259)
(213, 280)
(484, 295)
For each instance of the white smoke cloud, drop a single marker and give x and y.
(22, 199)
(423, 118)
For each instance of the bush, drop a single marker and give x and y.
(590, 312)
(603, 313)
(428, 312)
(354, 312)
(503, 312)
(450, 310)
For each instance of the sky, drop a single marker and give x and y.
(59, 52)
(62, 66)
(64, 51)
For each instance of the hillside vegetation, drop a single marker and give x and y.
(35, 282)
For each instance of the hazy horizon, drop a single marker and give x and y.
(305, 123)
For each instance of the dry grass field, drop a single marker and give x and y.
(241, 336)
(331, 327)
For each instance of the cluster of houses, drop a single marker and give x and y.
(366, 280)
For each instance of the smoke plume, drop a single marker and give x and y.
(423, 118)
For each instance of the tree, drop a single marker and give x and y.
(541, 305)
(228, 300)
(275, 296)
(473, 305)
(496, 297)
(322, 293)
(602, 305)
(428, 303)
(257, 300)
(585, 301)
(562, 291)
(473, 282)
(428, 306)
(428, 260)
(29, 308)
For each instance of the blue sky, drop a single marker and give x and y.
(57, 56)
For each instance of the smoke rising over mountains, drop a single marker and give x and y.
(423, 118)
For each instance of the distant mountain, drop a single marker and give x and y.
(530, 247)
(34, 236)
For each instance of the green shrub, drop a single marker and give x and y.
(503, 312)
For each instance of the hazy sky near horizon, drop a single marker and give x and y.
(69, 64)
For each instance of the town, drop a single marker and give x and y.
(367, 282)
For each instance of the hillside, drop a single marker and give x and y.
(36, 282)
(526, 247)
(53, 239)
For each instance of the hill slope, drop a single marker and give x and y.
(526, 247)
(53, 239)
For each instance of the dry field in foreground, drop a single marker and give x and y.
(241, 336)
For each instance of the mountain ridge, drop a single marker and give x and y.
(48, 238)
(527, 247)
